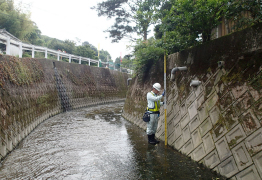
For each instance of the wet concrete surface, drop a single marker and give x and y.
(96, 143)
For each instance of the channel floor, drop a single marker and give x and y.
(97, 143)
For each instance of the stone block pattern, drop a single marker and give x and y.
(220, 128)
(32, 90)
(217, 123)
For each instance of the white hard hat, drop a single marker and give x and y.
(157, 86)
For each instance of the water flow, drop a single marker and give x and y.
(64, 99)
(96, 143)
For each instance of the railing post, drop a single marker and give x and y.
(70, 56)
(89, 61)
(20, 50)
(79, 60)
(46, 53)
(33, 51)
(8, 46)
(58, 56)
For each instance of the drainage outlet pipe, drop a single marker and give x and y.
(129, 79)
(195, 83)
(174, 70)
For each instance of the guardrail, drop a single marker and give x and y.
(10, 41)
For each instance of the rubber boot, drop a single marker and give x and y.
(150, 140)
(156, 141)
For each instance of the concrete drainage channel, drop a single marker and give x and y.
(96, 143)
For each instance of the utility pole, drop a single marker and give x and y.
(165, 90)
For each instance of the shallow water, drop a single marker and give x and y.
(96, 143)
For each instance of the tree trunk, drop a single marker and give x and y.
(145, 35)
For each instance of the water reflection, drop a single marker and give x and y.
(95, 143)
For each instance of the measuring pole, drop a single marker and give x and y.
(166, 91)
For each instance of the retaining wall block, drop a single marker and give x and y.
(198, 90)
(184, 121)
(170, 128)
(253, 142)
(223, 148)
(238, 91)
(192, 110)
(235, 136)
(205, 127)
(248, 174)
(209, 87)
(199, 153)
(249, 121)
(230, 117)
(226, 101)
(257, 159)
(200, 100)
(188, 147)
(203, 112)
(218, 76)
(176, 108)
(177, 131)
(183, 109)
(195, 122)
(171, 138)
(208, 142)
(196, 138)
(228, 167)
(212, 159)
(211, 101)
(190, 99)
(241, 156)
(179, 142)
(186, 134)
(215, 115)
(177, 118)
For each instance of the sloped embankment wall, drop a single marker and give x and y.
(219, 122)
(32, 90)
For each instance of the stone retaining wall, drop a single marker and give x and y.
(217, 123)
(33, 90)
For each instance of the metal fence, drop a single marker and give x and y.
(15, 46)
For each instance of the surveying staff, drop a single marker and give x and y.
(153, 106)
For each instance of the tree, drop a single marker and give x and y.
(192, 18)
(104, 55)
(69, 46)
(146, 54)
(188, 23)
(127, 61)
(131, 16)
(85, 51)
(244, 13)
(91, 46)
(117, 62)
(16, 22)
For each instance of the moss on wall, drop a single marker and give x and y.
(241, 53)
(29, 90)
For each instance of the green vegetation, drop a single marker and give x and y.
(16, 20)
(130, 17)
(20, 73)
(147, 53)
(186, 23)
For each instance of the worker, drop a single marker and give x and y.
(153, 106)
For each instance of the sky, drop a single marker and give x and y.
(74, 20)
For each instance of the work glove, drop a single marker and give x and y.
(163, 94)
